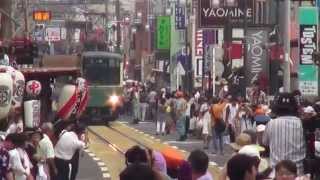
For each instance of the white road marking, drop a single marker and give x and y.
(106, 175)
(101, 164)
(212, 163)
(183, 142)
(91, 154)
(86, 150)
(96, 159)
(104, 169)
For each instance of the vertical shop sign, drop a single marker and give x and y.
(180, 18)
(256, 55)
(308, 44)
(163, 32)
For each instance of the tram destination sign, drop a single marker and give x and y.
(213, 16)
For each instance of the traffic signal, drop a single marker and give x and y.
(316, 58)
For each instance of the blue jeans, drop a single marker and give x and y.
(181, 126)
(217, 140)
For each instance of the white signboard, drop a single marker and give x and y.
(308, 88)
(55, 34)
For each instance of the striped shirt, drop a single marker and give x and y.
(284, 136)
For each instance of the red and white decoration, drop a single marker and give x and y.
(73, 99)
(33, 88)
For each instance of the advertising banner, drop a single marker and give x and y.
(308, 44)
(163, 32)
(257, 63)
(180, 18)
(213, 14)
(308, 80)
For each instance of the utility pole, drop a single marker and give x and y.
(106, 3)
(118, 26)
(188, 48)
(245, 46)
(286, 35)
(26, 12)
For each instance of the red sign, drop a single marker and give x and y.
(199, 43)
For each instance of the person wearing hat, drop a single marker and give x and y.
(205, 117)
(310, 123)
(181, 107)
(284, 134)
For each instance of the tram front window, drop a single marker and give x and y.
(102, 71)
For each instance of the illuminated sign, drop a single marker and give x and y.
(42, 15)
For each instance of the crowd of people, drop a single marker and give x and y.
(49, 152)
(153, 165)
(283, 133)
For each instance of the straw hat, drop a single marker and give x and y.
(253, 151)
(242, 140)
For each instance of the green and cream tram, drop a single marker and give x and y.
(103, 71)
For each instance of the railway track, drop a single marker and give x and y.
(120, 138)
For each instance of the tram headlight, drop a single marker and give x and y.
(114, 99)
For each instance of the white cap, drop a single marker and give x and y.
(261, 128)
(250, 151)
(309, 109)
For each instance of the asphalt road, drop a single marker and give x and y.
(190, 144)
(88, 168)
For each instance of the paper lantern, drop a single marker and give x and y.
(18, 89)
(32, 113)
(6, 88)
(33, 88)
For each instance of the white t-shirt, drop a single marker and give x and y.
(206, 120)
(67, 145)
(15, 163)
(15, 128)
(207, 176)
(45, 148)
(232, 114)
